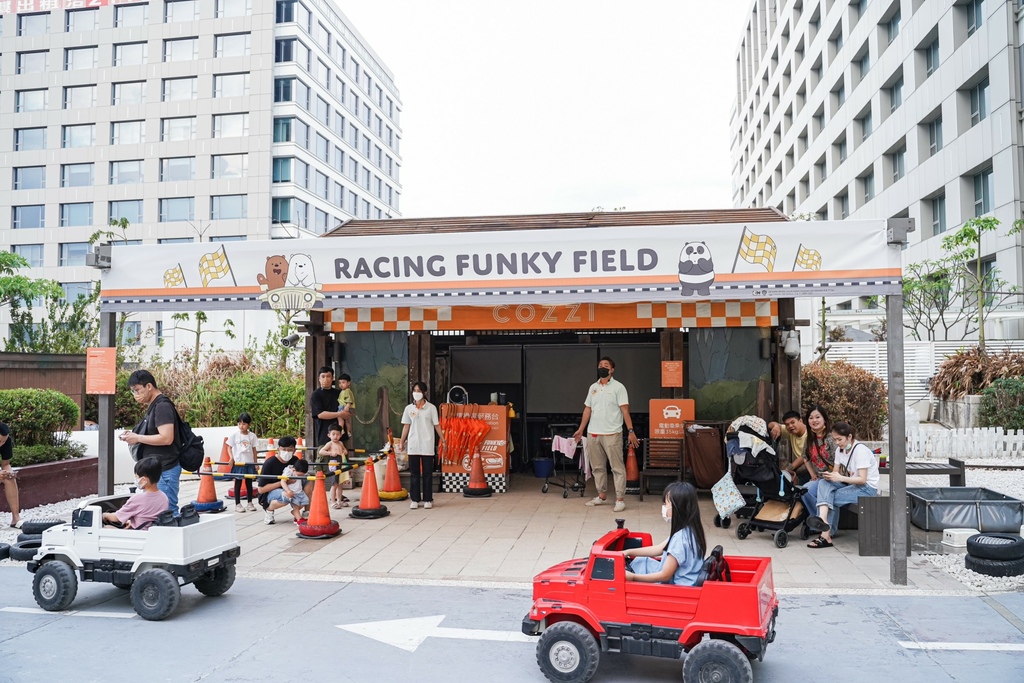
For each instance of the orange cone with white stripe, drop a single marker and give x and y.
(478, 487)
(369, 503)
(226, 458)
(207, 499)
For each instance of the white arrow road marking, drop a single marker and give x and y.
(409, 634)
(70, 613)
(977, 647)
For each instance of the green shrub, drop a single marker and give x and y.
(35, 415)
(275, 399)
(848, 393)
(127, 411)
(1002, 404)
(35, 455)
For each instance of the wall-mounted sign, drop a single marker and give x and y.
(671, 373)
(101, 370)
(667, 416)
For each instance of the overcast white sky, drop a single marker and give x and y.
(540, 106)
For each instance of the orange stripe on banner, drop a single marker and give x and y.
(180, 291)
(823, 275)
(485, 284)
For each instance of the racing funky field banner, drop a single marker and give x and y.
(662, 263)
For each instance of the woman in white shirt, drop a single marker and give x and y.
(419, 422)
(854, 474)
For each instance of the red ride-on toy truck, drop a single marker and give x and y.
(584, 607)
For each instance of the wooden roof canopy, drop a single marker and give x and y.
(548, 221)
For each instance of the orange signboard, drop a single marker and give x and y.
(101, 370)
(667, 417)
(671, 373)
(494, 447)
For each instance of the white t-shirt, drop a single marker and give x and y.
(860, 458)
(295, 480)
(604, 401)
(243, 447)
(421, 423)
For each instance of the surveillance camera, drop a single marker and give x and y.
(792, 344)
(290, 341)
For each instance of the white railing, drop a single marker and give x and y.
(988, 443)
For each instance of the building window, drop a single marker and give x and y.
(323, 112)
(975, 16)
(177, 209)
(76, 58)
(177, 169)
(225, 166)
(30, 178)
(896, 95)
(73, 291)
(127, 132)
(180, 10)
(938, 214)
(130, 54)
(323, 149)
(131, 333)
(983, 193)
(320, 221)
(301, 169)
(125, 172)
(32, 62)
(76, 215)
(228, 238)
(285, 11)
(284, 50)
(33, 253)
(179, 89)
(130, 210)
(230, 125)
(130, 15)
(181, 50)
(228, 207)
(282, 130)
(979, 102)
(29, 138)
(178, 129)
(128, 93)
(867, 126)
(73, 253)
(934, 136)
(76, 175)
(931, 57)
(843, 205)
(232, 45)
(864, 63)
(231, 85)
(282, 171)
(33, 24)
(30, 100)
(175, 240)
(33, 216)
(322, 188)
(283, 89)
(281, 210)
(899, 163)
(78, 136)
(233, 8)
(869, 186)
(80, 97)
(892, 27)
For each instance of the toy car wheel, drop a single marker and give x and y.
(719, 661)
(991, 546)
(55, 586)
(155, 594)
(5, 551)
(217, 582)
(544, 489)
(781, 538)
(29, 537)
(24, 551)
(568, 653)
(742, 531)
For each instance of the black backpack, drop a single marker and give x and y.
(191, 447)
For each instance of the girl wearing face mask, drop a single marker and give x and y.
(419, 423)
(682, 553)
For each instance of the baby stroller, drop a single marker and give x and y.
(776, 504)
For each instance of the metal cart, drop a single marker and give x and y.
(568, 468)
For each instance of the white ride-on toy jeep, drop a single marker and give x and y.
(153, 564)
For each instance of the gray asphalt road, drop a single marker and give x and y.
(277, 631)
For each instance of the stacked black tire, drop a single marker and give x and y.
(995, 554)
(29, 539)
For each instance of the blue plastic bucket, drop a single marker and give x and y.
(543, 467)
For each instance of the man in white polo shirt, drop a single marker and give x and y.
(607, 407)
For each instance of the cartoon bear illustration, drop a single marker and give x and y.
(276, 271)
(300, 271)
(696, 269)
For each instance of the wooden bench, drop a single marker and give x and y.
(956, 470)
(661, 458)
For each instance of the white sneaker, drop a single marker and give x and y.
(413, 505)
(268, 517)
(250, 508)
(598, 500)
(239, 508)
(428, 505)
(619, 506)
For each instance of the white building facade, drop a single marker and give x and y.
(196, 120)
(881, 109)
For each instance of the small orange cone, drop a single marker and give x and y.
(226, 459)
(392, 482)
(300, 452)
(271, 448)
(632, 472)
(478, 487)
(207, 500)
(369, 503)
(319, 524)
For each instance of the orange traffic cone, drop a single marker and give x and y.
(632, 472)
(207, 501)
(392, 482)
(319, 524)
(226, 459)
(369, 503)
(300, 451)
(271, 448)
(478, 487)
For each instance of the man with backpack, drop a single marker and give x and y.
(155, 434)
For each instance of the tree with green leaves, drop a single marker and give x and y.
(200, 318)
(66, 327)
(14, 286)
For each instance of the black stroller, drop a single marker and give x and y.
(775, 504)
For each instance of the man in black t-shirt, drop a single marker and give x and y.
(324, 407)
(7, 478)
(154, 436)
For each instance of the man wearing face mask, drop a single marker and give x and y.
(271, 488)
(324, 406)
(606, 409)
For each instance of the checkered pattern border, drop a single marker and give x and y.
(454, 482)
(389, 319)
(710, 314)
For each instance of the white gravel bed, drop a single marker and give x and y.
(954, 566)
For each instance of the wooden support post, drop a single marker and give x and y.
(316, 358)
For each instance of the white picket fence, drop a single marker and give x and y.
(971, 444)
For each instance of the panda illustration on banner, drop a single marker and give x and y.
(696, 269)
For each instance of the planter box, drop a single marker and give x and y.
(53, 482)
(961, 413)
(938, 509)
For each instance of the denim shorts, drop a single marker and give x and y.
(276, 496)
(300, 499)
